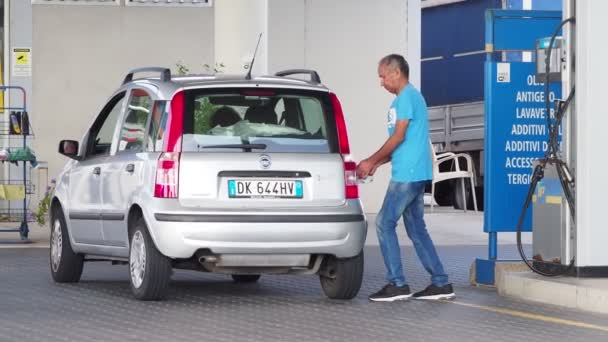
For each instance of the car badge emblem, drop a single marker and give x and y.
(265, 161)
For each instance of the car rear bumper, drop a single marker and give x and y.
(181, 235)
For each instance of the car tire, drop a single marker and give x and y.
(444, 192)
(457, 195)
(458, 204)
(66, 266)
(149, 270)
(341, 278)
(245, 278)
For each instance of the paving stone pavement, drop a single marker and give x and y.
(209, 307)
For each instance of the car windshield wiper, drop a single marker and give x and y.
(243, 146)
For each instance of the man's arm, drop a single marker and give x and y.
(382, 162)
(383, 155)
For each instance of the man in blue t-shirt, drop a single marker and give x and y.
(408, 150)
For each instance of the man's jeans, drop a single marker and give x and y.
(406, 199)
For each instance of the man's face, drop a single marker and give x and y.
(389, 78)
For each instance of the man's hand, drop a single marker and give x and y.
(365, 168)
(373, 170)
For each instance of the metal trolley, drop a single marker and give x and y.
(17, 126)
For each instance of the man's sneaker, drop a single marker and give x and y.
(390, 293)
(433, 292)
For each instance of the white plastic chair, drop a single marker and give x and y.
(457, 173)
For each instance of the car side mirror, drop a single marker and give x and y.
(69, 148)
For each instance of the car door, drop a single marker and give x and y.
(124, 173)
(85, 198)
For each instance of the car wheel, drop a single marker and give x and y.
(245, 278)
(149, 270)
(341, 278)
(458, 203)
(444, 193)
(66, 266)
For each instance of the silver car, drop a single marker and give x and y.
(216, 174)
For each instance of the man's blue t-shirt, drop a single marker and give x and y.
(411, 160)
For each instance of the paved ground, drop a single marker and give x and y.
(208, 307)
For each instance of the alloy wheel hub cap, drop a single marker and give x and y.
(56, 245)
(137, 259)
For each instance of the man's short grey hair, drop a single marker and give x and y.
(396, 61)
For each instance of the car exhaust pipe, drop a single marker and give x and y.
(202, 259)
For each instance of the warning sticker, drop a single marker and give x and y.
(22, 62)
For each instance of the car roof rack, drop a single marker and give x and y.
(165, 73)
(314, 76)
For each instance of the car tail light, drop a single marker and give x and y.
(167, 175)
(343, 146)
(350, 167)
(167, 168)
(350, 179)
(173, 139)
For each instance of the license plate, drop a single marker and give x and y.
(265, 188)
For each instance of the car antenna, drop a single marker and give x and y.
(248, 76)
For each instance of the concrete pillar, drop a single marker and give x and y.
(591, 123)
(568, 124)
(19, 27)
(238, 24)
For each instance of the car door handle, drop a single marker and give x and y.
(130, 168)
(97, 171)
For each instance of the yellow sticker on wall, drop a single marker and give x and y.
(22, 58)
(22, 62)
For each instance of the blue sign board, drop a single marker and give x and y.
(516, 135)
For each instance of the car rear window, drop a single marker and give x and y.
(255, 119)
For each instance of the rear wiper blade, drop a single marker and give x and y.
(244, 146)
